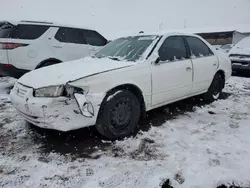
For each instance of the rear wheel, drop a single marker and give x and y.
(119, 115)
(215, 88)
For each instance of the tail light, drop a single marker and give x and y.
(11, 46)
(8, 65)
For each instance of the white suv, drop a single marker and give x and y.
(28, 45)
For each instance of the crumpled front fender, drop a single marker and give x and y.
(89, 104)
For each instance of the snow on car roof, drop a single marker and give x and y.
(159, 33)
(241, 47)
(239, 28)
(244, 43)
(16, 22)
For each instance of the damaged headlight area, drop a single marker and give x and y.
(71, 90)
(51, 91)
(58, 91)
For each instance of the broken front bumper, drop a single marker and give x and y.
(59, 113)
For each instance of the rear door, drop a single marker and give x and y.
(205, 64)
(69, 44)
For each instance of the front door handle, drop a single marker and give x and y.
(188, 69)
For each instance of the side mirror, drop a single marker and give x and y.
(157, 61)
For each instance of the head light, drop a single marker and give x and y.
(51, 91)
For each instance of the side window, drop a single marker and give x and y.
(70, 35)
(28, 32)
(198, 48)
(172, 49)
(93, 38)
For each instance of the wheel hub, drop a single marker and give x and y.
(216, 88)
(121, 115)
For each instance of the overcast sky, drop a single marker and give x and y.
(117, 17)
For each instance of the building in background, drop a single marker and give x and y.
(218, 36)
(221, 36)
(225, 37)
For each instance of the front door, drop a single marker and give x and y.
(172, 76)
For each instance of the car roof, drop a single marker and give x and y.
(163, 34)
(52, 24)
(244, 43)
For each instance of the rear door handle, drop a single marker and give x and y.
(57, 46)
(188, 69)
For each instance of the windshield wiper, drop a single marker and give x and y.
(115, 58)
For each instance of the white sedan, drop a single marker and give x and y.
(116, 86)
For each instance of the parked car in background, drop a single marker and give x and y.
(29, 45)
(240, 56)
(116, 86)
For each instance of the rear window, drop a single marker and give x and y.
(198, 48)
(80, 36)
(93, 38)
(5, 29)
(22, 31)
(70, 35)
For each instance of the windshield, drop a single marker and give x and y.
(127, 48)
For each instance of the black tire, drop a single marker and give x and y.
(48, 63)
(119, 115)
(215, 89)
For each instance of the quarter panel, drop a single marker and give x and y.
(225, 64)
(28, 57)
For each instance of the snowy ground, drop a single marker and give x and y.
(191, 143)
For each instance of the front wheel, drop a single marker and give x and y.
(119, 115)
(215, 89)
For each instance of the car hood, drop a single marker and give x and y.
(69, 71)
(240, 51)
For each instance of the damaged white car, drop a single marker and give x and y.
(115, 87)
(240, 56)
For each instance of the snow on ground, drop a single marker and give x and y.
(202, 147)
